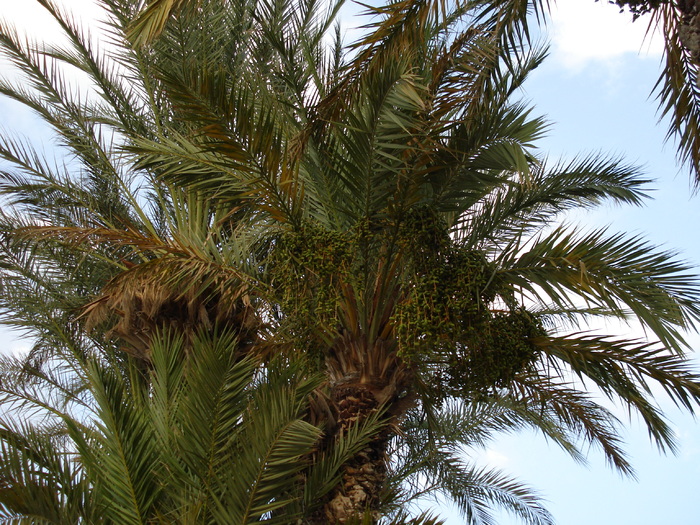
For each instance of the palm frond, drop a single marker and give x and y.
(150, 22)
(677, 87)
(41, 481)
(124, 459)
(625, 369)
(613, 272)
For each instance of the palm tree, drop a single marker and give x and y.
(201, 438)
(376, 210)
(98, 250)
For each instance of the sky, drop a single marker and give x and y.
(595, 90)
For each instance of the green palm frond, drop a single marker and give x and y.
(199, 393)
(517, 210)
(624, 369)
(441, 442)
(206, 435)
(123, 460)
(426, 518)
(476, 491)
(677, 88)
(613, 272)
(31, 388)
(51, 97)
(326, 471)
(40, 480)
(575, 417)
(121, 99)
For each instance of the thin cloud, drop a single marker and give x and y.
(584, 32)
(32, 19)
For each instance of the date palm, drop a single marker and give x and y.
(200, 438)
(411, 216)
(378, 210)
(101, 248)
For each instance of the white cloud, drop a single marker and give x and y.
(586, 32)
(30, 18)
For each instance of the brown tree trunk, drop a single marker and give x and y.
(364, 475)
(689, 27)
(364, 377)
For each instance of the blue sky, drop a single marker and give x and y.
(595, 89)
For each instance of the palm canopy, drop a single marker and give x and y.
(676, 88)
(199, 438)
(378, 209)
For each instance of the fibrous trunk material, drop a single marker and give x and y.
(364, 475)
(689, 27)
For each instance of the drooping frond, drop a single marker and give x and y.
(677, 88)
(441, 443)
(624, 370)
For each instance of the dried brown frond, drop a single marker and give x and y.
(143, 300)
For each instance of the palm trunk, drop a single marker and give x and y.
(364, 475)
(365, 375)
